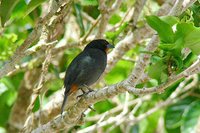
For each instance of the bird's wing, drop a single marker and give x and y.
(92, 66)
(77, 68)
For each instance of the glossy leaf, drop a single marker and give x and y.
(192, 40)
(164, 30)
(190, 35)
(191, 117)
(173, 115)
(171, 20)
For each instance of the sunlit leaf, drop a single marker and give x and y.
(192, 40)
(190, 35)
(164, 30)
(171, 20)
(114, 19)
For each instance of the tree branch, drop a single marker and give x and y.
(105, 15)
(33, 36)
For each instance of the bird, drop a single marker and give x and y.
(86, 68)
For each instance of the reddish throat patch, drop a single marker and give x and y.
(73, 89)
(107, 49)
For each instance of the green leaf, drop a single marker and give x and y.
(192, 41)
(173, 115)
(189, 60)
(179, 44)
(183, 29)
(190, 35)
(158, 73)
(8, 45)
(4, 108)
(36, 105)
(167, 46)
(8, 83)
(191, 117)
(164, 30)
(32, 5)
(114, 19)
(196, 13)
(178, 61)
(89, 2)
(79, 19)
(12, 37)
(171, 20)
(12, 96)
(6, 8)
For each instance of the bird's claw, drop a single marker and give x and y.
(88, 88)
(85, 93)
(79, 96)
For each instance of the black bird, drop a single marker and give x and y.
(86, 68)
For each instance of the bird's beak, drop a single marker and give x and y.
(110, 46)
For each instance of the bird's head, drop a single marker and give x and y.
(99, 44)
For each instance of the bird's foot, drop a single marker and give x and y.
(88, 88)
(79, 96)
(82, 95)
(84, 92)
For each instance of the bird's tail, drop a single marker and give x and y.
(64, 101)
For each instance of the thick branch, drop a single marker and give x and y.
(18, 112)
(106, 13)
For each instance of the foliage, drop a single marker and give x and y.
(177, 35)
